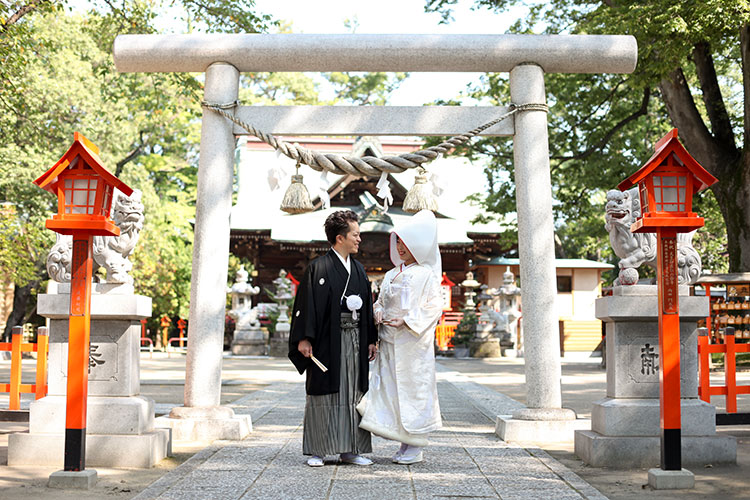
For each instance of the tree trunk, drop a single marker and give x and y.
(719, 155)
(21, 298)
(733, 196)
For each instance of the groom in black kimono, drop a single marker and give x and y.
(332, 320)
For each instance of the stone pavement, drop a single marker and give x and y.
(465, 459)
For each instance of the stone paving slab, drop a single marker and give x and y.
(465, 459)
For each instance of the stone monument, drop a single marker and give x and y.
(283, 297)
(120, 427)
(248, 336)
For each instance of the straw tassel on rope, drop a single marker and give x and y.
(297, 198)
(420, 196)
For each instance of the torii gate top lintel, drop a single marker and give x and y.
(355, 52)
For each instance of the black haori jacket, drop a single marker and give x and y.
(316, 317)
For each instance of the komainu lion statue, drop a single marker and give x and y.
(110, 252)
(635, 249)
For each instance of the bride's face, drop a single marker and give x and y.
(403, 252)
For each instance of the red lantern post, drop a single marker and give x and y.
(446, 287)
(84, 190)
(181, 324)
(667, 183)
(165, 322)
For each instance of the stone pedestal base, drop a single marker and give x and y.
(625, 433)
(140, 451)
(279, 348)
(485, 348)
(119, 433)
(539, 425)
(645, 451)
(249, 349)
(72, 480)
(671, 479)
(250, 342)
(206, 424)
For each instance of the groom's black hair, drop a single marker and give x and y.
(338, 223)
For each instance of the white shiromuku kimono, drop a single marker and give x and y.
(402, 401)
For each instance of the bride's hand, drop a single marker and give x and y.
(396, 322)
(378, 316)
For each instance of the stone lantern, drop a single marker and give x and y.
(283, 296)
(470, 284)
(486, 341)
(248, 338)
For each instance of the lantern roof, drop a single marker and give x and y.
(90, 153)
(666, 146)
(446, 281)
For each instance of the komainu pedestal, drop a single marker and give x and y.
(625, 424)
(120, 428)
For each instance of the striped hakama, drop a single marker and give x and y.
(331, 423)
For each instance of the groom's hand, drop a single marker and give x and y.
(373, 350)
(305, 348)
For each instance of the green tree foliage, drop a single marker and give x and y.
(56, 81)
(692, 58)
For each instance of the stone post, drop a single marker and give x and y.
(202, 418)
(544, 418)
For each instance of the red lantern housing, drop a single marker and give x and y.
(666, 185)
(83, 187)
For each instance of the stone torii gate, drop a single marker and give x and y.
(223, 57)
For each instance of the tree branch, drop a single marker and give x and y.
(721, 126)
(20, 13)
(685, 116)
(641, 111)
(132, 155)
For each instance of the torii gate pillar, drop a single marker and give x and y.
(526, 57)
(202, 418)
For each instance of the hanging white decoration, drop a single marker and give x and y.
(325, 198)
(384, 191)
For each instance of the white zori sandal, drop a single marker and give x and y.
(412, 455)
(399, 453)
(315, 461)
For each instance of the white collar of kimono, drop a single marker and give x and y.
(419, 235)
(347, 262)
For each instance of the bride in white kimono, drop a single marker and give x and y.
(402, 402)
